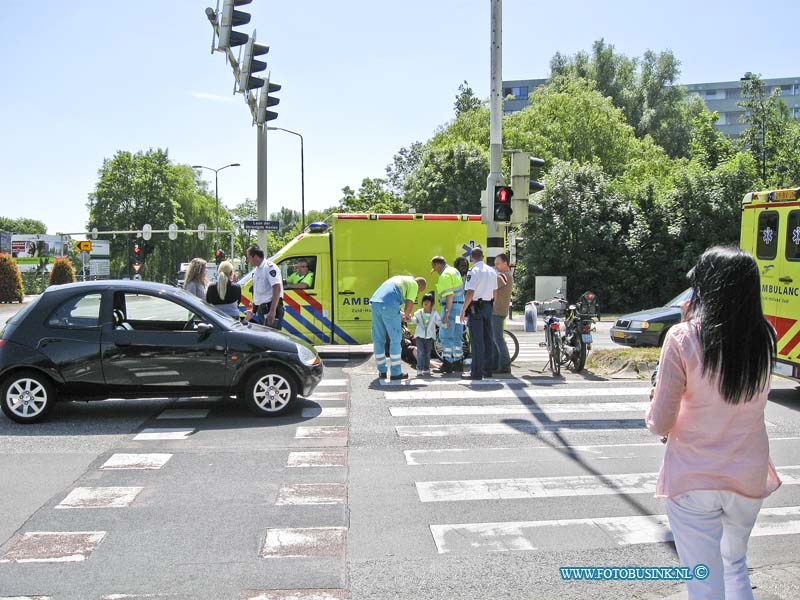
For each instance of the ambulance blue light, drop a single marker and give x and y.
(318, 227)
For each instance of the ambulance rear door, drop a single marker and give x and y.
(788, 286)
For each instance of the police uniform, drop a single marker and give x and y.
(451, 284)
(386, 303)
(482, 279)
(265, 276)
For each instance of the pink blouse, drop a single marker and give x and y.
(712, 445)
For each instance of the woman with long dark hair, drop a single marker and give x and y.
(709, 399)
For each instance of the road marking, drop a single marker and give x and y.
(519, 393)
(136, 461)
(527, 381)
(304, 542)
(321, 432)
(527, 488)
(325, 411)
(53, 546)
(465, 456)
(26, 598)
(518, 427)
(586, 533)
(100, 497)
(164, 433)
(328, 396)
(184, 413)
(318, 594)
(325, 458)
(332, 382)
(311, 494)
(516, 409)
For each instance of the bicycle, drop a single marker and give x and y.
(552, 341)
(512, 343)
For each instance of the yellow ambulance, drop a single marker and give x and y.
(771, 233)
(354, 254)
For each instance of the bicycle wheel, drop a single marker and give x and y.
(555, 354)
(512, 343)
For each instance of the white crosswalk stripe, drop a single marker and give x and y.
(575, 441)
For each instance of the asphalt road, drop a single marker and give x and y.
(419, 489)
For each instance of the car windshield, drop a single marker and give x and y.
(680, 298)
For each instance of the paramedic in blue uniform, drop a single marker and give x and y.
(479, 287)
(267, 289)
(396, 294)
(450, 290)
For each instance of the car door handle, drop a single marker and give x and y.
(785, 279)
(346, 293)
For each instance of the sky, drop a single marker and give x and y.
(83, 80)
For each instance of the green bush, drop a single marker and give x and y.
(62, 272)
(33, 282)
(10, 280)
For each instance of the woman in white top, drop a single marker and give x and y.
(196, 282)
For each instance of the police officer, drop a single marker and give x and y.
(267, 289)
(479, 290)
(450, 290)
(395, 294)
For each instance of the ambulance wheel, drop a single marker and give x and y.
(269, 391)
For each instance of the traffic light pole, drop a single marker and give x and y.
(494, 234)
(261, 188)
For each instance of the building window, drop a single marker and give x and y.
(796, 90)
(715, 95)
(520, 92)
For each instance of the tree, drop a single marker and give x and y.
(708, 145)
(787, 157)
(22, 225)
(10, 280)
(404, 163)
(146, 187)
(374, 196)
(766, 117)
(644, 89)
(62, 272)
(466, 100)
(449, 179)
(579, 235)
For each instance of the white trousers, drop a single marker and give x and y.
(712, 528)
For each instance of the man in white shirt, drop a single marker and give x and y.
(479, 285)
(267, 289)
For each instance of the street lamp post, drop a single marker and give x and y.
(216, 192)
(302, 175)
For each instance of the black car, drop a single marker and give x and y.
(648, 327)
(132, 339)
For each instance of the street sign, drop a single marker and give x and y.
(201, 231)
(262, 225)
(147, 231)
(83, 246)
(173, 232)
(137, 266)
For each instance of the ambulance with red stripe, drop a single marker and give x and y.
(350, 256)
(771, 233)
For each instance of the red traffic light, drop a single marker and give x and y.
(136, 249)
(504, 195)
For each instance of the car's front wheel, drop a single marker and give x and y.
(269, 391)
(27, 396)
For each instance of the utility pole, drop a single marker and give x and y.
(494, 234)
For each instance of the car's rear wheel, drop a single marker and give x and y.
(27, 396)
(269, 391)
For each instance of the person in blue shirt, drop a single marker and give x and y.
(394, 295)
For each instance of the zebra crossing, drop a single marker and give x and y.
(554, 449)
(300, 500)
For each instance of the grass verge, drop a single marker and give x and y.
(624, 362)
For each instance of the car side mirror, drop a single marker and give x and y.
(204, 328)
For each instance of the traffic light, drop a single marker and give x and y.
(502, 203)
(250, 65)
(137, 252)
(265, 100)
(230, 18)
(219, 256)
(522, 165)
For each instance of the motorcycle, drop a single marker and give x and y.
(577, 333)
